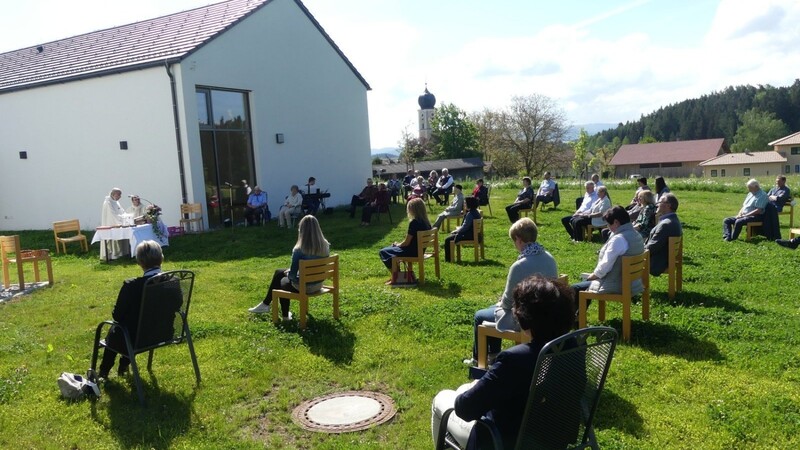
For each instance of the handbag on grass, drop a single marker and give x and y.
(76, 387)
(404, 278)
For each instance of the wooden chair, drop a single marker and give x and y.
(66, 226)
(752, 228)
(528, 210)
(567, 382)
(788, 210)
(191, 213)
(794, 232)
(675, 265)
(427, 247)
(311, 271)
(163, 321)
(476, 242)
(489, 329)
(589, 230)
(10, 245)
(633, 267)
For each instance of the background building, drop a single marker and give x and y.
(789, 147)
(668, 159)
(427, 102)
(748, 164)
(175, 109)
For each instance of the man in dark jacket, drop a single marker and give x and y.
(668, 226)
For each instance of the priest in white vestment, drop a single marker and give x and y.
(112, 215)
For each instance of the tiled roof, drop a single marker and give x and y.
(791, 139)
(668, 152)
(427, 166)
(745, 158)
(134, 46)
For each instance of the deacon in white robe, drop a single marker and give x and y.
(112, 215)
(137, 208)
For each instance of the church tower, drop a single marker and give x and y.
(426, 103)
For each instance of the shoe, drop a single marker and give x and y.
(792, 244)
(472, 362)
(259, 308)
(288, 318)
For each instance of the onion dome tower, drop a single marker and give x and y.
(427, 102)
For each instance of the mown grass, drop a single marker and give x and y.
(718, 367)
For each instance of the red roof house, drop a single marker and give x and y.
(668, 159)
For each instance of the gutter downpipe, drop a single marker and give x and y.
(178, 141)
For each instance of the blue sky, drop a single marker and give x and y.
(602, 61)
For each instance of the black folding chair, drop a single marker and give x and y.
(567, 381)
(162, 321)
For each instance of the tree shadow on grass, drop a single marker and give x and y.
(618, 413)
(470, 261)
(330, 339)
(699, 300)
(167, 415)
(663, 339)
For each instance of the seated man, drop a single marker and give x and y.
(546, 189)
(367, 195)
(595, 178)
(533, 258)
(128, 306)
(454, 210)
(668, 226)
(580, 218)
(780, 194)
(310, 202)
(408, 180)
(394, 185)
(524, 200)
(443, 187)
(256, 206)
(544, 309)
(624, 241)
(752, 209)
(481, 192)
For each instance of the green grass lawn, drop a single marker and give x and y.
(716, 368)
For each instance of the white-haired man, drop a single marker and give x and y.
(443, 187)
(752, 210)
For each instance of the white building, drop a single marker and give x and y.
(173, 108)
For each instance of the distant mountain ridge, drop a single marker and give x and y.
(591, 128)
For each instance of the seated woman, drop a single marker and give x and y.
(661, 188)
(544, 309)
(481, 192)
(418, 190)
(418, 221)
(126, 311)
(433, 178)
(292, 205)
(464, 232)
(311, 244)
(646, 219)
(381, 201)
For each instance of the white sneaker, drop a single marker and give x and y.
(288, 318)
(470, 362)
(259, 308)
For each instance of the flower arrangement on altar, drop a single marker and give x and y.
(151, 214)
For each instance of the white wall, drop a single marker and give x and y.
(299, 86)
(71, 133)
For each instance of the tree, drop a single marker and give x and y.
(454, 134)
(534, 127)
(412, 149)
(504, 161)
(757, 129)
(581, 149)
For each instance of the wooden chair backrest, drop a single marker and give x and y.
(191, 208)
(563, 279)
(634, 267)
(675, 251)
(477, 229)
(65, 226)
(427, 239)
(8, 245)
(318, 270)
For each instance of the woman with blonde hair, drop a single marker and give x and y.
(646, 219)
(311, 244)
(418, 221)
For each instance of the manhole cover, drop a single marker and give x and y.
(344, 412)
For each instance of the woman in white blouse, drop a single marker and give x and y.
(292, 205)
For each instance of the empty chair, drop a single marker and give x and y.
(191, 214)
(9, 245)
(69, 226)
(675, 265)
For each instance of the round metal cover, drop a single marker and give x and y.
(344, 412)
